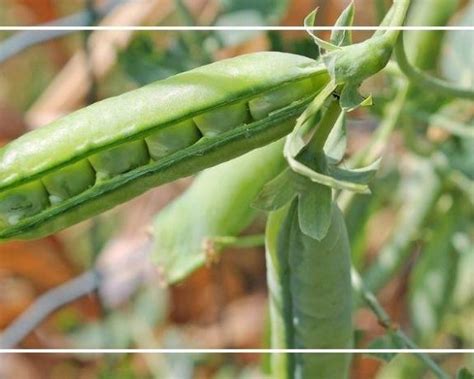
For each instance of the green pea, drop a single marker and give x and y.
(222, 119)
(171, 139)
(69, 181)
(262, 106)
(21, 202)
(120, 159)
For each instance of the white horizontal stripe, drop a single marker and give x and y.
(229, 28)
(228, 351)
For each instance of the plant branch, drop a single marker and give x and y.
(385, 321)
(46, 304)
(424, 80)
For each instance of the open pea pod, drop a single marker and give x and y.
(118, 148)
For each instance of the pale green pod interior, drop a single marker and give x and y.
(172, 138)
(120, 159)
(69, 181)
(260, 107)
(26, 200)
(222, 119)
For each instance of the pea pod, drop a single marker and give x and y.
(310, 296)
(216, 205)
(118, 148)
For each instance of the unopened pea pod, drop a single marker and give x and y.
(158, 133)
(218, 204)
(310, 296)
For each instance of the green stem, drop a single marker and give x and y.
(386, 321)
(254, 240)
(398, 18)
(384, 131)
(325, 126)
(426, 81)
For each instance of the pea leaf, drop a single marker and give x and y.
(338, 178)
(322, 44)
(314, 211)
(464, 373)
(343, 37)
(306, 123)
(336, 144)
(352, 99)
(276, 193)
(144, 63)
(357, 176)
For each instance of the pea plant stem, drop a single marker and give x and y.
(325, 126)
(385, 320)
(424, 80)
(255, 240)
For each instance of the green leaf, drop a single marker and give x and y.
(357, 176)
(276, 193)
(336, 144)
(339, 179)
(343, 37)
(351, 99)
(322, 44)
(143, 63)
(464, 373)
(307, 122)
(314, 211)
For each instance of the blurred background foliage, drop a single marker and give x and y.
(412, 238)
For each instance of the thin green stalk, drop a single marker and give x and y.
(254, 240)
(399, 14)
(426, 81)
(384, 131)
(413, 214)
(386, 321)
(325, 126)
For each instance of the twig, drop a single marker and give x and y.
(23, 40)
(385, 321)
(46, 304)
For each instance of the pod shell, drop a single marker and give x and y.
(310, 295)
(141, 113)
(217, 204)
(114, 120)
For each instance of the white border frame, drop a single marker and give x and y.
(234, 28)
